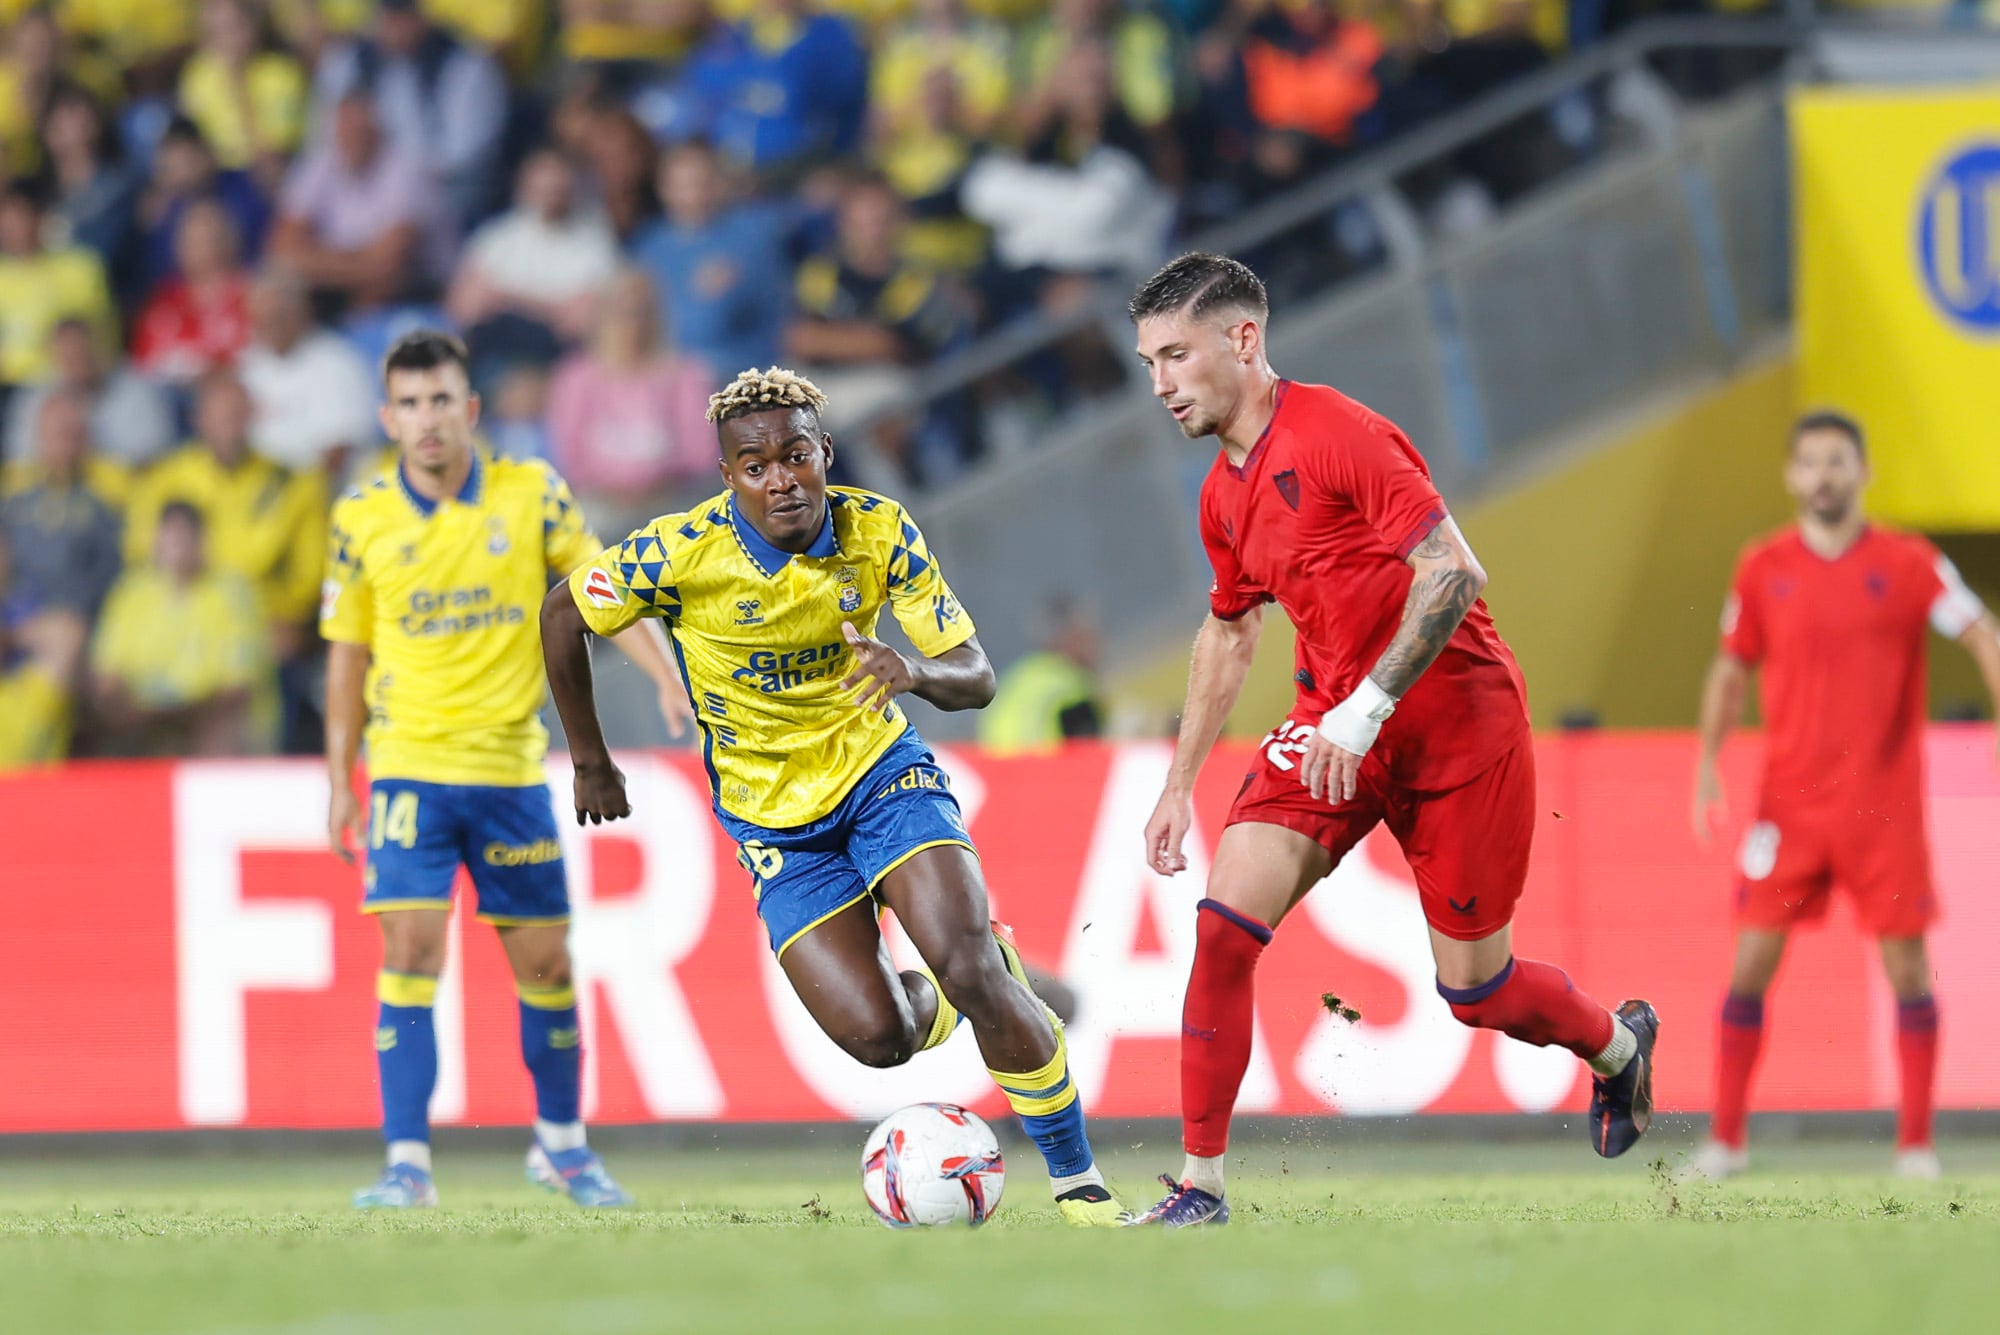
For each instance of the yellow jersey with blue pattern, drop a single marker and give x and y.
(757, 633)
(447, 594)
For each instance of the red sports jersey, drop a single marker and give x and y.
(1320, 519)
(1842, 651)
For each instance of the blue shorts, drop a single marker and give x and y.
(805, 874)
(420, 833)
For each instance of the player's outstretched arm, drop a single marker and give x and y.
(599, 787)
(1447, 581)
(346, 711)
(1982, 640)
(959, 678)
(1722, 698)
(1222, 654)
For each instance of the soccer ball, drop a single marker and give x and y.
(932, 1164)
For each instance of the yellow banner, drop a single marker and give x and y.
(1898, 199)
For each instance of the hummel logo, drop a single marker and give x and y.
(749, 613)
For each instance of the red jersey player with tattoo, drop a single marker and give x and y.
(1410, 712)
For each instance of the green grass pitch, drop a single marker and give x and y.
(1328, 1237)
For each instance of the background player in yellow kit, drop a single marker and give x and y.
(771, 592)
(435, 571)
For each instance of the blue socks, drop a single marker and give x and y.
(406, 1056)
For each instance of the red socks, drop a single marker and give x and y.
(1742, 1038)
(1916, 1058)
(1216, 1022)
(1537, 1004)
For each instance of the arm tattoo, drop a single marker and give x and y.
(1433, 547)
(1438, 601)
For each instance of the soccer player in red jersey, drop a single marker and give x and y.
(1410, 711)
(1832, 610)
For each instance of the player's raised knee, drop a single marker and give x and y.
(888, 1040)
(974, 975)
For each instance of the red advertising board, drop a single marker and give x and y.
(189, 953)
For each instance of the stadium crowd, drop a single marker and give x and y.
(218, 213)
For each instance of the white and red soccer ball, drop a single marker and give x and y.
(932, 1164)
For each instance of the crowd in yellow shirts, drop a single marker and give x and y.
(216, 214)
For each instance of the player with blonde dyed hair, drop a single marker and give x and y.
(771, 593)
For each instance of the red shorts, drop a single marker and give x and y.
(1790, 861)
(1467, 846)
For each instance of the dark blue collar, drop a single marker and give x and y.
(770, 560)
(467, 494)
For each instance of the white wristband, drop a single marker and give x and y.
(1354, 723)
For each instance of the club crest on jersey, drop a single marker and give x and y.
(1287, 483)
(598, 588)
(749, 612)
(409, 553)
(850, 589)
(496, 536)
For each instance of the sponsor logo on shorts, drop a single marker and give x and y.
(522, 855)
(1469, 907)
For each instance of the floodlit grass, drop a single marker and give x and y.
(1469, 1238)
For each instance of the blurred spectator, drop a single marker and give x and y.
(863, 312)
(1080, 200)
(865, 318)
(1048, 696)
(361, 218)
(442, 101)
(511, 31)
(514, 418)
(628, 40)
(185, 170)
(1308, 71)
(179, 665)
(718, 265)
(143, 39)
(314, 401)
(131, 422)
(621, 158)
(60, 515)
(937, 89)
(781, 91)
(264, 522)
(200, 320)
(627, 415)
(313, 27)
(1136, 51)
(528, 280)
(245, 93)
(40, 286)
(40, 652)
(94, 192)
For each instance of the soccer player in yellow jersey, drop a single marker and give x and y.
(435, 570)
(771, 593)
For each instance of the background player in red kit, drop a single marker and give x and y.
(1410, 712)
(1833, 610)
